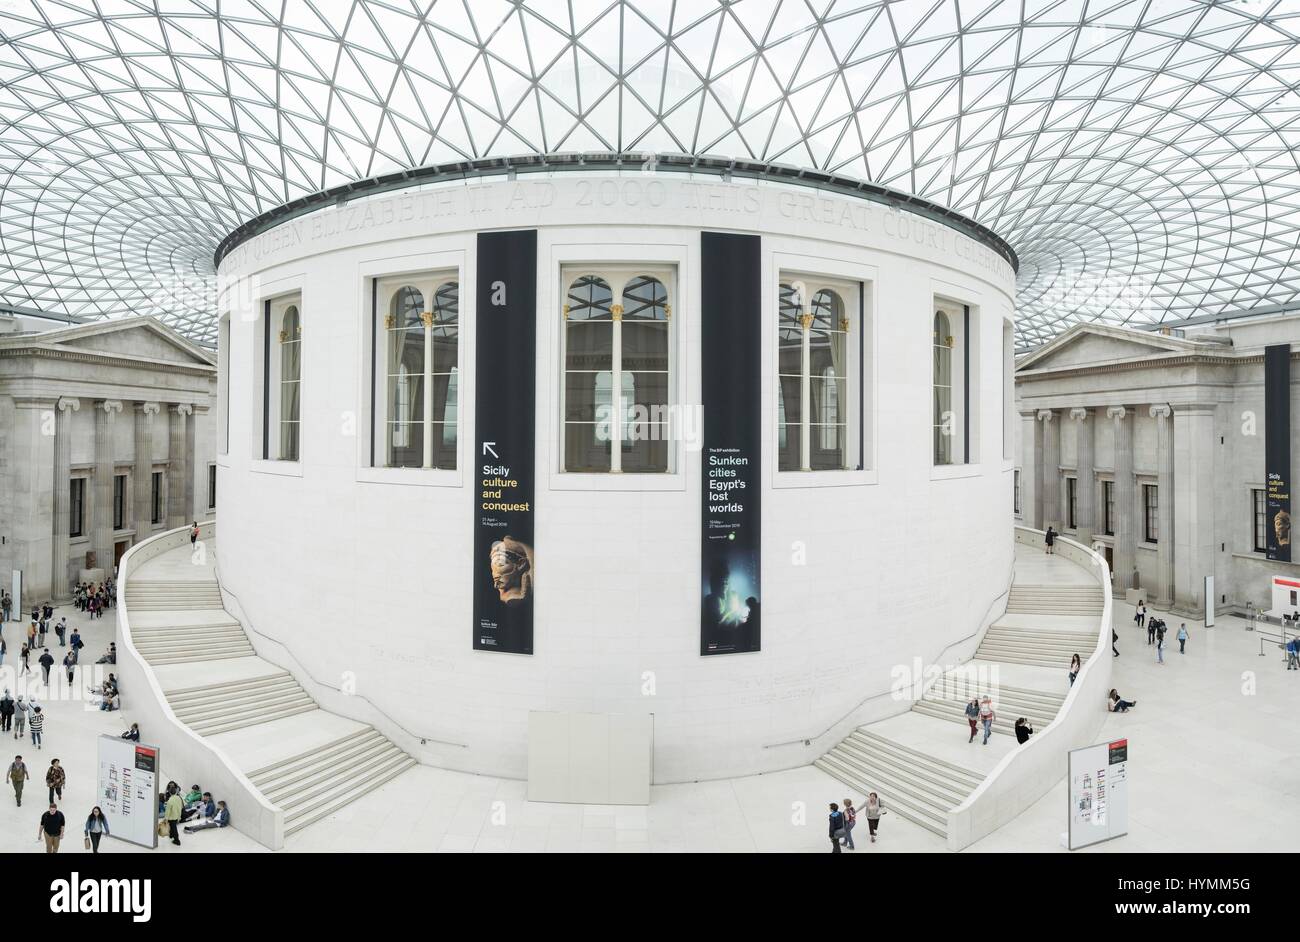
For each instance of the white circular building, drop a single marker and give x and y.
(523, 442)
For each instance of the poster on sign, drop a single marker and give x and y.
(1098, 793)
(127, 789)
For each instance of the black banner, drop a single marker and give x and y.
(731, 334)
(505, 366)
(1277, 448)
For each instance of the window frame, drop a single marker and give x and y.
(212, 486)
(1015, 493)
(1071, 503)
(119, 500)
(1108, 508)
(965, 316)
(1259, 520)
(77, 507)
(157, 497)
(1150, 513)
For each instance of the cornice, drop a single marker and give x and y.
(1160, 362)
(58, 352)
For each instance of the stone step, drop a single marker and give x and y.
(304, 817)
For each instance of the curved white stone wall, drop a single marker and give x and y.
(364, 573)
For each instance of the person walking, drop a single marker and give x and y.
(61, 629)
(1160, 644)
(1152, 625)
(70, 665)
(37, 724)
(20, 718)
(194, 532)
(1114, 638)
(17, 777)
(836, 825)
(6, 712)
(6, 605)
(850, 819)
(25, 656)
(4, 649)
(96, 827)
(1050, 539)
(52, 823)
(973, 717)
(987, 716)
(1182, 638)
(55, 779)
(1140, 615)
(1075, 667)
(76, 643)
(873, 811)
(175, 808)
(46, 661)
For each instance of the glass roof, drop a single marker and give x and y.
(1139, 155)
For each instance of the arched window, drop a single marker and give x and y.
(290, 382)
(943, 419)
(417, 338)
(813, 375)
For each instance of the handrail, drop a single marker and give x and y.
(251, 812)
(984, 620)
(247, 621)
(1026, 774)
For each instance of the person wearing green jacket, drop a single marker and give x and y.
(175, 808)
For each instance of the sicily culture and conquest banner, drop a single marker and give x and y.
(1277, 448)
(730, 312)
(505, 559)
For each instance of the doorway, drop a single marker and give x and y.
(119, 550)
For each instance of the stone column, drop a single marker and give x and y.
(59, 583)
(1194, 495)
(1031, 489)
(176, 469)
(1087, 474)
(101, 540)
(190, 470)
(1165, 509)
(1050, 469)
(142, 494)
(1125, 499)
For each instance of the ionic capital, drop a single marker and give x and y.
(183, 408)
(1080, 414)
(1116, 412)
(1161, 411)
(110, 406)
(148, 408)
(1046, 415)
(66, 404)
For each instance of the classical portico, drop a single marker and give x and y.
(1150, 447)
(88, 469)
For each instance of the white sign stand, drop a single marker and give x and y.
(127, 789)
(1097, 793)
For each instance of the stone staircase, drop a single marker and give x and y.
(1054, 599)
(217, 686)
(316, 783)
(948, 698)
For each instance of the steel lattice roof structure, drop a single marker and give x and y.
(1138, 155)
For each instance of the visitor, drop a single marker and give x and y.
(850, 819)
(16, 776)
(4, 648)
(55, 779)
(37, 724)
(1160, 644)
(46, 661)
(1050, 539)
(1152, 625)
(6, 604)
(837, 827)
(1114, 638)
(873, 811)
(194, 802)
(1118, 704)
(70, 665)
(52, 827)
(61, 629)
(221, 818)
(175, 808)
(1293, 654)
(96, 827)
(75, 642)
(1182, 638)
(194, 532)
(1140, 616)
(6, 712)
(973, 717)
(110, 656)
(1075, 667)
(987, 716)
(20, 718)
(25, 656)
(132, 734)
(1023, 731)
(40, 633)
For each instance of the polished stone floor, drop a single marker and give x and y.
(1214, 766)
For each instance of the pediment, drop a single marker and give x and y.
(1088, 345)
(141, 337)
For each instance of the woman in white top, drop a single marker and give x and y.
(873, 811)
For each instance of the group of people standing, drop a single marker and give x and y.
(94, 598)
(1156, 631)
(842, 822)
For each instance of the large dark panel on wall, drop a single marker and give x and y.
(730, 509)
(1277, 448)
(504, 447)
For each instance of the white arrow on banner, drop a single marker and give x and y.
(487, 447)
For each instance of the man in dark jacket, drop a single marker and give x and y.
(6, 712)
(837, 825)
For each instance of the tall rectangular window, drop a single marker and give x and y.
(1015, 497)
(156, 498)
(819, 382)
(1108, 507)
(954, 415)
(1008, 388)
(1259, 515)
(223, 382)
(281, 374)
(119, 500)
(1071, 502)
(1150, 502)
(212, 487)
(416, 369)
(618, 368)
(76, 506)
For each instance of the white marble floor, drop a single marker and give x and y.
(1215, 766)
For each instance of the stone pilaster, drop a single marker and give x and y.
(1086, 512)
(142, 502)
(60, 581)
(190, 470)
(176, 465)
(1194, 540)
(1165, 510)
(101, 538)
(1050, 469)
(1126, 507)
